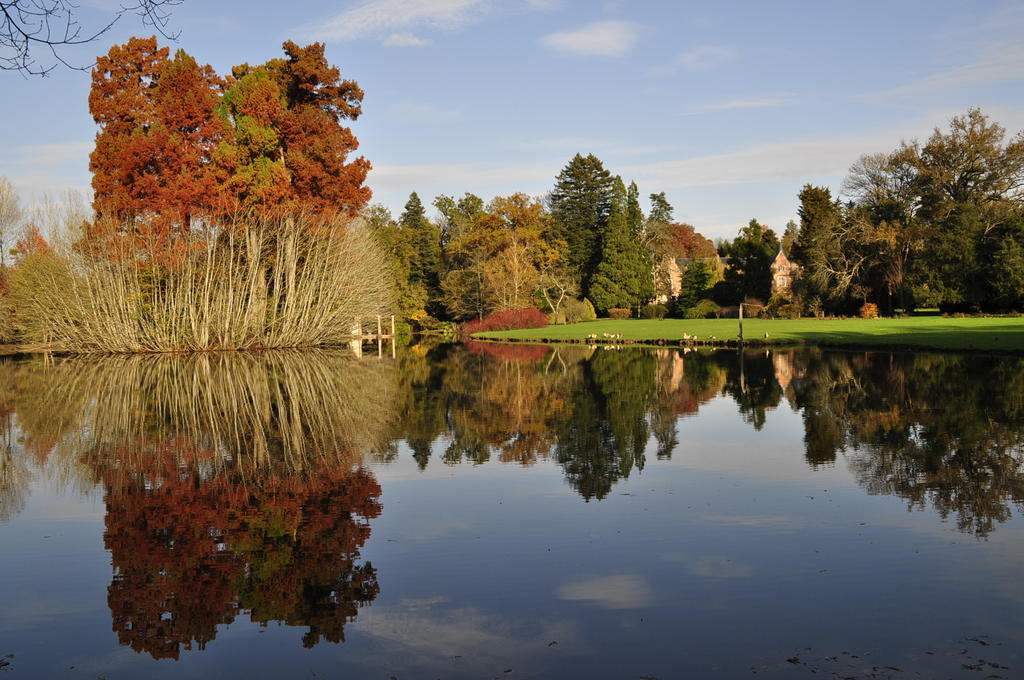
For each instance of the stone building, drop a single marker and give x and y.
(668, 276)
(784, 273)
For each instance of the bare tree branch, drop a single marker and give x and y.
(30, 26)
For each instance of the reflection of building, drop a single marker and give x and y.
(783, 362)
(783, 274)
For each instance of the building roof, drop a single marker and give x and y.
(781, 261)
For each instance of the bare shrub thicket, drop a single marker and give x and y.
(256, 283)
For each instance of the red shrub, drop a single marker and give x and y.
(507, 320)
(869, 310)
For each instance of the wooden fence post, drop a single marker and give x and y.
(741, 323)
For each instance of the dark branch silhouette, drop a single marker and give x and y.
(28, 26)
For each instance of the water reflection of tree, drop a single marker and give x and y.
(593, 411)
(192, 554)
(751, 383)
(232, 483)
(935, 429)
(596, 411)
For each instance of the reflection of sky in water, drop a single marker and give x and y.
(735, 553)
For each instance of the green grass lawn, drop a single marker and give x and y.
(1006, 334)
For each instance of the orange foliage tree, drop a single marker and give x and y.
(158, 127)
(685, 241)
(178, 143)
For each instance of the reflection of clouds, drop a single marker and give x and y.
(428, 529)
(621, 591)
(711, 566)
(422, 637)
(414, 603)
(756, 521)
(39, 611)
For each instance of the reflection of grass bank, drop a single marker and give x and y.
(1005, 334)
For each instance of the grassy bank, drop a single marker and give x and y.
(1001, 334)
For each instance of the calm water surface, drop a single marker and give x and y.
(499, 511)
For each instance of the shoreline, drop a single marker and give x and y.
(1000, 335)
(749, 344)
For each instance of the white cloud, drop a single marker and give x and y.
(373, 17)
(425, 112)
(569, 145)
(451, 176)
(801, 158)
(623, 591)
(395, 18)
(996, 64)
(603, 38)
(53, 154)
(697, 59)
(748, 103)
(701, 58)
(405, 40)
(994, 52)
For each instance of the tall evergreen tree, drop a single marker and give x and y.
(624, 276)
(661, 209)
(818, 241)
(634, 213)
(425, 239)
(750, 258)
(789, 236)
(694, 284)
(581, 204)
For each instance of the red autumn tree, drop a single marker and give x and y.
(177, 143)
(30, 243)
(121, 103)
(685, 241)
(158, 128)
(289, 149)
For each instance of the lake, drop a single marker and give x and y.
(513, 511)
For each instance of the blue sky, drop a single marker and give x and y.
(728, 107)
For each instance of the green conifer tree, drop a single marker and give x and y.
(634, 213)
(661, 209)
(425, 239)
(624, 276)
(580, 204)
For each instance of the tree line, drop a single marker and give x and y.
(932, 224)
(586, 247)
